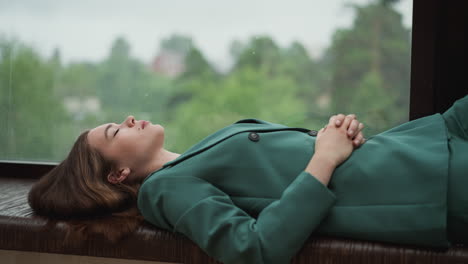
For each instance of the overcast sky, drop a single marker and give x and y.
(85, 29)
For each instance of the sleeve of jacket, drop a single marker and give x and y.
(207, 216)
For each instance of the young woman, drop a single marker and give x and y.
(254, 191)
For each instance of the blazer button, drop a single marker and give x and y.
(254, 136)
(312, 133)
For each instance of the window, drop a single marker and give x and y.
(66, 66)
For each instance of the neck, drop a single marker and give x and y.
(164, 157)
(161, 158)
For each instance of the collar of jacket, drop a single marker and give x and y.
(251, 125)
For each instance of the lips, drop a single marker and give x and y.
(144, 124)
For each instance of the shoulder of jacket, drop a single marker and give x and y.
(255, 121)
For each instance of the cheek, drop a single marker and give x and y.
(137, 146)
(124, 149)
(144, 142)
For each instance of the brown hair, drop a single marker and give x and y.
(77, 192)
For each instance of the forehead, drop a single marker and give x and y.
(96, 135)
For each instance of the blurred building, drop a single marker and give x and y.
(79, 107)
(169, 63)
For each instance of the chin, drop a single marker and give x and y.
(158, 128)
(154, 127)
(158, 131)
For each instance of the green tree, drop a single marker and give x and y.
(196, 66)
(127, 86)
(374, 52)
(308, 75)
(78, 80)
(293, 63)
(177, 43)
(32, 114)
(261, 53)
(198, 72)
(246, 93)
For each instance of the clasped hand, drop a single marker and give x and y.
(337, 140)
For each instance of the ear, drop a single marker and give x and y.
(119, 175)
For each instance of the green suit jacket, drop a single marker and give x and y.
(242, 194)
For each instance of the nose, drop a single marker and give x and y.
(130, 121)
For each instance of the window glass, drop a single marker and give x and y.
(196, 66)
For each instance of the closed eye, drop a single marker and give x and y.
(117, 131)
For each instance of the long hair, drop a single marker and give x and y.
(77, 192)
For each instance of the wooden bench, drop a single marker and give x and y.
(21, 230)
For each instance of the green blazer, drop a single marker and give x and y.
(243, 196)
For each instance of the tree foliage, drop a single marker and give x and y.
(372, 57)
(28, 105)
(45, 104)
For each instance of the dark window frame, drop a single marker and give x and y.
(438, 56)
(439, 38)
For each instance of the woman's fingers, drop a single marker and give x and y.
(338, 119)
(360, 127)
(350, 124)
(347, 121)
(358, 140)
(333, 119)
(354, 128)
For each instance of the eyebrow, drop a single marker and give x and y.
(105, 131)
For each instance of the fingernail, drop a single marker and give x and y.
(350, 132)
(356, 141)
(338, 122)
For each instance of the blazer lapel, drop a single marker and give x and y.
(238, 127)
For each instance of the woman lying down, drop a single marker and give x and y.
(253, 192)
